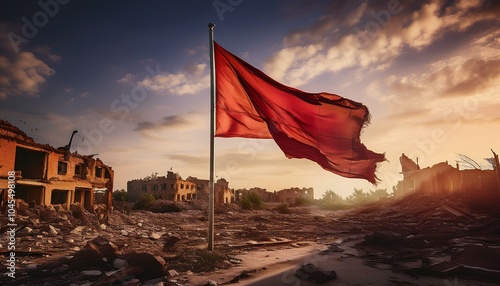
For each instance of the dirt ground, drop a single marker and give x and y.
(417, 240)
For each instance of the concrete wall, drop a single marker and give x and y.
(443, 178)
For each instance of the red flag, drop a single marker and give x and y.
(322, 127)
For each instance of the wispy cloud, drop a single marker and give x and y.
(46, 52)
(372, 36)
(183, 121)
(126, 79)
(85, 94)
(190, 81)
(23, 73)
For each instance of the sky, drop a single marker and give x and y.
(133, 78)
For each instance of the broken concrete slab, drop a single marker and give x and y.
(153, 266)
(479, 260)
(312, 273)
(103, 247)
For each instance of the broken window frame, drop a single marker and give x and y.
(79, 170)
(31, 163)
(98, 172)
(62, 168)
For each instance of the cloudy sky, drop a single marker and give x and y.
(132, 77)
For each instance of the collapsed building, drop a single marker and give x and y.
(444, 178)
(173, 187)
(51, 176)
(289, 195)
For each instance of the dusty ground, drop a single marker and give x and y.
(419, 240)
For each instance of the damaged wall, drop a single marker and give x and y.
(443, 178)
(223, 194)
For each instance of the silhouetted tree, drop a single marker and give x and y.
(358, 197)
(331, 197)
(378, 194)
(120, 195)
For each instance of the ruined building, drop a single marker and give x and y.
(292, 194)
(443, 178)
(170, 187)
(49, 176)
(173, 187)
(222, 193)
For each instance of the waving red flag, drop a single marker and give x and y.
(322, 127)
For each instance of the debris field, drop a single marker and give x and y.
(419, 236)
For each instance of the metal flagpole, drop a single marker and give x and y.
(211, 196)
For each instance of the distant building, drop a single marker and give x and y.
(292, 194)
(223, 194)
(443, 178)
(171, 187)
(49, 176)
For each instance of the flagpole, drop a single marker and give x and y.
(211, 196)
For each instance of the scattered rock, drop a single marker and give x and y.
(78, 230)
(152, 266)
(103, 227)
(172, 243)
(120, 263)
(103, 247)
(24, 231)
(91, 273)
(124, 232)
(172, 273)
(53, 231)
(61, 269)
(154, 235)
(312, 273)
(86, 258)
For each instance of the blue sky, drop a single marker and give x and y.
(132, 77)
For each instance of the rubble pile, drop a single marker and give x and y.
(419, 235)
(98, 263)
